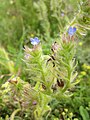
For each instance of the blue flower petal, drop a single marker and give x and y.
(74, 29)
(34, 43)
(71, 31)
(31, 39)
(36, 39)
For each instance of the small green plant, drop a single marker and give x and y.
(54, 75)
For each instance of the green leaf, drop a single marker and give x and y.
(84, 113)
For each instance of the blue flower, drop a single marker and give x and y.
(34, 41)
(71, 31)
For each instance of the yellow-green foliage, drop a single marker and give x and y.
(5, 61)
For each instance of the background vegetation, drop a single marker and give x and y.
(49, 20)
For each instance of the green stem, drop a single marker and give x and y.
(14, 113)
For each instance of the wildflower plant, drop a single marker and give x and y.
(54, 74)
